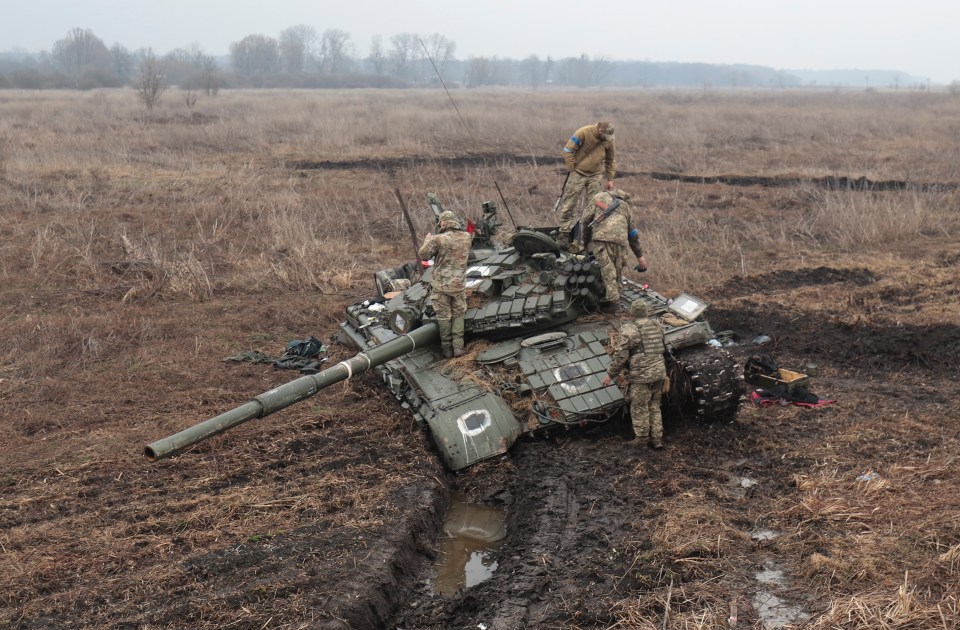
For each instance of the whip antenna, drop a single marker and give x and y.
(462, 121)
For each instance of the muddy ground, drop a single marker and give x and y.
(327, 515)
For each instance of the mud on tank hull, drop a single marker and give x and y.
(537, 351)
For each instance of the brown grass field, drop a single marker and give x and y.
(136, 252)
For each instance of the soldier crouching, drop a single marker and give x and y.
(608, 230)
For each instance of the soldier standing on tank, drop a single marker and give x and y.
(641, 344)
(589, 153)
(608, 229)
(450, 250)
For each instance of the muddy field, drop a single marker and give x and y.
(138, 254)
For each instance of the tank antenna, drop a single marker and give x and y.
(406, 215)
(463, 122)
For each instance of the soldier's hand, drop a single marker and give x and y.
(641, 264)
(607, 380)
(609, 185)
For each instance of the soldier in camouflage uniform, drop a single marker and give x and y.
(608, 229)
(641, 343)
(448, 293)
(588, 153)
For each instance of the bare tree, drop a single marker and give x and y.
(256, 54)
(81, 50)
(209, 73)
(298, 48)
(333, 51)
(151, 81)
(576, 71)
(533, 71)
(178, 64)
(441, 50)
(123, 61)
(405, 55)
(377, 57)
(479, 72)
(600, 70)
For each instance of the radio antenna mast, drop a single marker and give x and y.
(463, 122)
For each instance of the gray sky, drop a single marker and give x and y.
(918, 37)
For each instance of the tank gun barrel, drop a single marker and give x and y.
(293, 392)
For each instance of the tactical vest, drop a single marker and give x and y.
(652, 337)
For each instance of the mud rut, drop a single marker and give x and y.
(832, 182)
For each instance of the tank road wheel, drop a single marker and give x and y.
(705, 385)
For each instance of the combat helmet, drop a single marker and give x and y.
(447, 219)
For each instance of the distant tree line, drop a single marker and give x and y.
(303, 57)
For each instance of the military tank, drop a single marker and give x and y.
(537, 350)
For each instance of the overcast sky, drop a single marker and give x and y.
(917, 37)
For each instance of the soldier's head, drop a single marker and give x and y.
(619, 193)
(602, 200)
(448, 221)
(605, 130)
(638, 309)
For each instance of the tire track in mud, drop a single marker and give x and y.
(564, 521)
(828, 182)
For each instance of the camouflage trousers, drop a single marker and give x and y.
(610, 257)
(572, 205)
(645, 410)
(450, 308)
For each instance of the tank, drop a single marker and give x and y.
(537, 350)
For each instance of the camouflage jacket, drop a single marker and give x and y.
(587, 155)
(618, 227)
(641, 343)
(449, 250)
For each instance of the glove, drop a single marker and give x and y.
(640, 268)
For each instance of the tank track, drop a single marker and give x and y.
(705, 385)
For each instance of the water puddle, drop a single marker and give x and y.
(764, 534)
(741, 487)
(773, 611)
(468, 545)
(770, 576)
(776, 613)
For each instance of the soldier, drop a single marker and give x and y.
(449, 250)
(608, 229)
(588, 153)
(641, 342)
